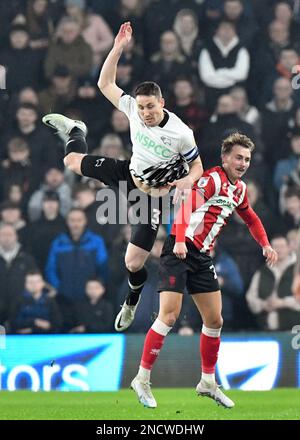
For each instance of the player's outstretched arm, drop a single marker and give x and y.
(184, 185)
(258, 232)
(107, 79)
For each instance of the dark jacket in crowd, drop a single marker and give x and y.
(97, 318)
(40, 235)
(12, 278)
(28, 309)
(70, 264)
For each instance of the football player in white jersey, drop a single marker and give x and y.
(164, 155)
(185, 263)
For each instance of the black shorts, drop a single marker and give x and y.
(196, 272)
(113, 171)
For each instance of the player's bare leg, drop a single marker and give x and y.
(210, 307)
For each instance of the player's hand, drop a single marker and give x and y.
(296, 286)
(180, 250)
(124, 35)
(271, 255)
(183, 189)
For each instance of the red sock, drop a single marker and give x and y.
(152, 345)
(209, 348)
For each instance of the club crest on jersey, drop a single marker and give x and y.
(166, 140)
(203, 182)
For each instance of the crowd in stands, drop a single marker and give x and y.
(223, 66)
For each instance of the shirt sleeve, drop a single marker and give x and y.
(189, 149)
(127, 105)
(245, 202)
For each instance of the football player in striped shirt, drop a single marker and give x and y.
(164, 154)
(185, 263)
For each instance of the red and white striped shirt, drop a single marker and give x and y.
(213, 199)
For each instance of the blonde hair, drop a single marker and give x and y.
(236, 139)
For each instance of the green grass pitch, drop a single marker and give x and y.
(173, 404)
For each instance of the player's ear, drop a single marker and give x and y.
(162, 102)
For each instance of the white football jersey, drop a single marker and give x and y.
(156, 148)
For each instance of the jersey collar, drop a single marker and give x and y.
(165, 120)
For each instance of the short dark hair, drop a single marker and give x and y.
(34, 272)
(148, 88)
(236, 139)
(292, 191)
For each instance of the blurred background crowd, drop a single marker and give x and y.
(223, 66)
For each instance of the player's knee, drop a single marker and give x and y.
(133, 264)
(169, 319)
(70, 161)
(215, 322)
(73, 162)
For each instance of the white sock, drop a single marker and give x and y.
(144, 374)
(208, 378)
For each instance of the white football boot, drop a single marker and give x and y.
(213, 391)
(144, 393)
(125, 317)
(62, 124)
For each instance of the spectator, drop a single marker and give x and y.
(283, 12)
(222, 123)
(186, 106)
(11, 214)
(85, 199)
(265, 57)
(94, 314)
(17, 169)
(111, 146)
(128, 10)
(14, 264)
(223, 63)
(69, 50)
(60, 93)
(94, 30)
(120, 126)
(246, 27)
(42, 232)
(186, 28)
(167, 64)
(275, 120)
(75, 257)
(244, 110)
(290, 207)
(54, 181)
(44, 148)
(285, 167)
(269, 295)
(19, 57)
(94, 108)
(40, 25)
(35, 312)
